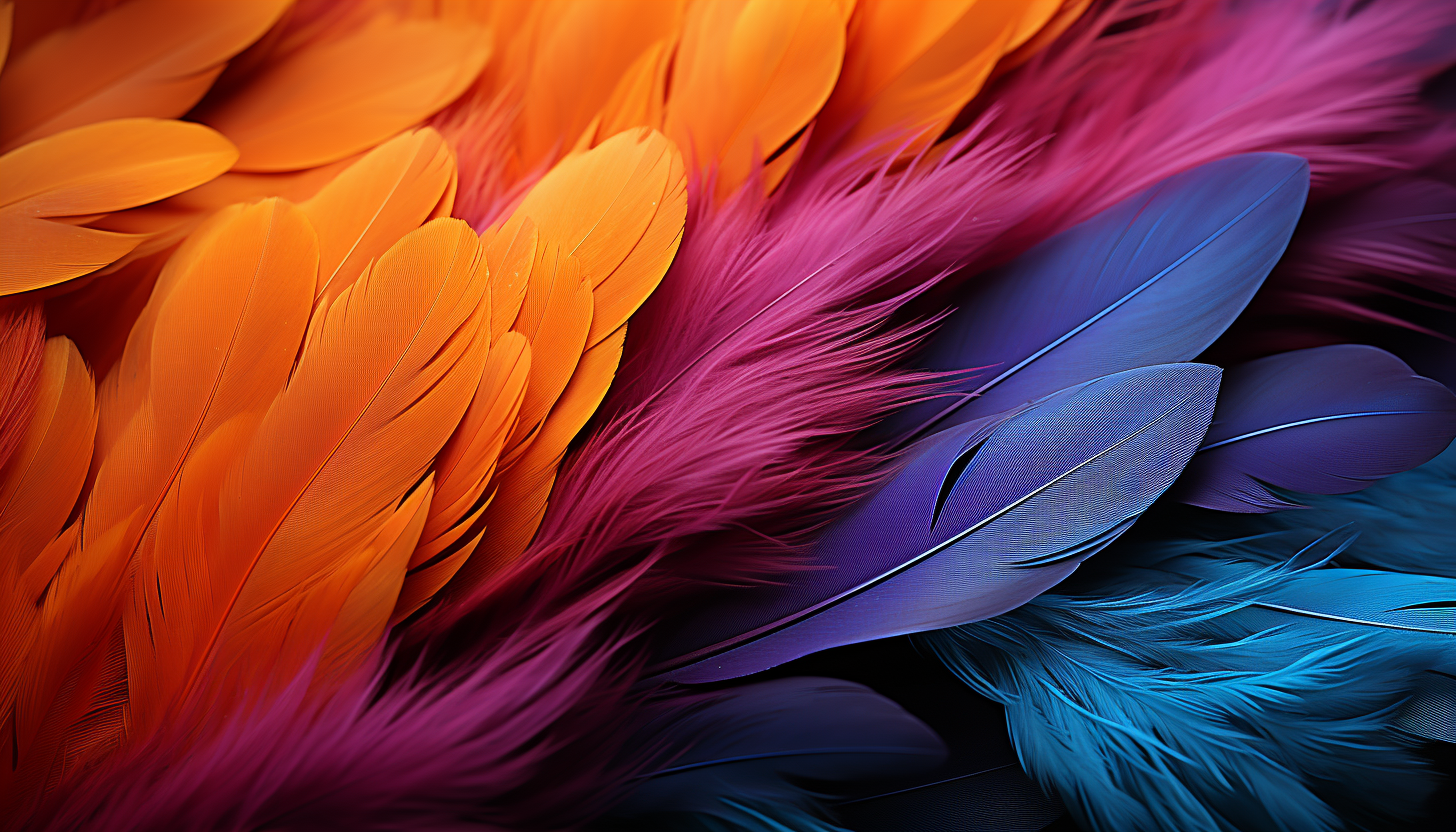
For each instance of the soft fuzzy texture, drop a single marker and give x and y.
(1149, 706)
(507, 742)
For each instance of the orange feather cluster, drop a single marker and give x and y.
(323, 401)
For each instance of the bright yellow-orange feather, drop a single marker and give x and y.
(910, 67)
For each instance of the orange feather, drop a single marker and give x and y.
(334, 98)
(40, 483)
(390, 192)
(749, 75)
(911, 67)
(517, 508)
(582, 50)
(388, 371)
(22, 347)
(142, 58)
(90, 170)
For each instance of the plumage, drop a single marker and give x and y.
(581, 52)
(336, 97)
(983, 517)
(108, 166)
(1327, 420)
(22, 351)
(40, 482)
(1151, 704)
(909, 68)
(607, 223)
(141, 58)
(754, 744)
(748, 77)
(1156, 278)
(302, 494)
(387, 525)
(370, 205)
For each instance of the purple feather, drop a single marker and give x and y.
(984, 517)
(1328, 420)
(753, 743)
(1152, 280)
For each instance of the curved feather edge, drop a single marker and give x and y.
(984, 517)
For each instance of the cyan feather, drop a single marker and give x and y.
(1328, 420)
(984, 517)
(1153, 279)
(1209, 693)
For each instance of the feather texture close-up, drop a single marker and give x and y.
(727, 415)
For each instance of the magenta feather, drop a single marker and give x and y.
(1121, 106)
(476, 747)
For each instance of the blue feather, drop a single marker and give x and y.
(1328, 420)
(984, 517)
(1407, 523)
(747, 750)
(1152, 280)
(1215, 693)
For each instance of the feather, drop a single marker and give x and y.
(753, 744)
(1381, 257)
(143, 58)
(1327, 420)
(749, 75)
(909, 68)
(1004, 502)
(38, 486)
(581, 53)
(7, 29)
(40, 483)
(609, 222)
(1156, 278)
(1403, 522)
(22, 352)
(90, 170)
(386, 374)
(464, 469)
(335, 98)
(225, 326)
(423, 751)
(1134, 94)
(364, 210)
(620, 210)
(1148, 706)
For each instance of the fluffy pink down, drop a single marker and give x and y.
(516, 740)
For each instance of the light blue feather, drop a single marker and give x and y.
(1159, 699)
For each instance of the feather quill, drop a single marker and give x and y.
(984, 517)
